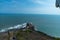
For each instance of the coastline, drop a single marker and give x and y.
(22, 33)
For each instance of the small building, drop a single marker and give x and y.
(29, 26)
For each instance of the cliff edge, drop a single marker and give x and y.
(26, 33)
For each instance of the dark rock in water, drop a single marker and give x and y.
(58, 3)
(27, 33)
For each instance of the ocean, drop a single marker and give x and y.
(49, 24)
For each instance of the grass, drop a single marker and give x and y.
(22, 35)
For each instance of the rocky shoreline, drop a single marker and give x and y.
(27, 33)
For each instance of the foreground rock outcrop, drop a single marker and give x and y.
(27, 33)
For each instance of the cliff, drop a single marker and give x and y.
(27, 33)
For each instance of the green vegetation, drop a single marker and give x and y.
(27, 33)
(57, 38)
(22, 35)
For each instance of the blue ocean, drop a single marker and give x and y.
(49, 24)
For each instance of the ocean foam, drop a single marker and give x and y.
(14, 27)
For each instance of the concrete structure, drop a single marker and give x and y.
(29, 26)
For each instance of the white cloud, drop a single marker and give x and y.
(43, 10)
(48, 8)
(38, 1)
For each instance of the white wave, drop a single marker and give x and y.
(14, 27)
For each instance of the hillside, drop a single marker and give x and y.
(27, 33)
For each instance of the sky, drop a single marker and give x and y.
(29, 6)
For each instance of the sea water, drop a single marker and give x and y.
(49, 24)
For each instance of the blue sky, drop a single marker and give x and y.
(29, 6)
